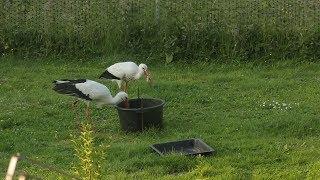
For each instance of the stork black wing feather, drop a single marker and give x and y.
(107, 75)
(68, 87)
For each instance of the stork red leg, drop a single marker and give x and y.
(126, 102)
(122, 86)
(88, 112)
(74, 104)
(126, 87)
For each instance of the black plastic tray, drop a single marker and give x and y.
(185, 147)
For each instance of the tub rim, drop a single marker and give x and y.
(162, 102)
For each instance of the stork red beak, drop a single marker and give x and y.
(126, 103)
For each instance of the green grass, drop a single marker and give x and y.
(222, 104)
(185, 29)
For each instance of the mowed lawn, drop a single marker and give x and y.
(262, 119)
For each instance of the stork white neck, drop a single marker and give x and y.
(139, 73)
(121, 96)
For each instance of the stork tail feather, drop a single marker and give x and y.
(68, 87)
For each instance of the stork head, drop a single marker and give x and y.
(146, 72)
(122, 96)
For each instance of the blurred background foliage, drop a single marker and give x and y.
(180, 29)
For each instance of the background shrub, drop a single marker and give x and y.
(183, 29)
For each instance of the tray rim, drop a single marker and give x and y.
(211, 150)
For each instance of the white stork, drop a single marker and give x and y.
(88, 91)
(124, 72)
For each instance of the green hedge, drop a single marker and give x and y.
(185, 29)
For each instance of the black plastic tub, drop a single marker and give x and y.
(141, 114)
(184, 147)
